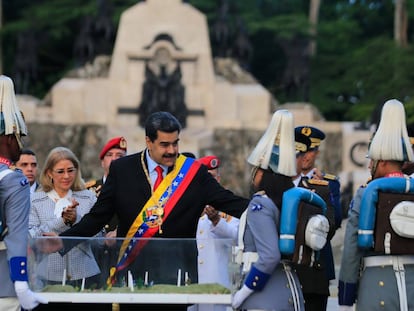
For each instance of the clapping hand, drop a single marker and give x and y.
(69, 213)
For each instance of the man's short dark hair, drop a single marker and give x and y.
(28, 151)
(161, 121)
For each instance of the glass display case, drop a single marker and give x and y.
(155, 270)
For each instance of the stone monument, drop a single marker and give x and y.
(161, 61)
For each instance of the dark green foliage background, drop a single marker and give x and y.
(356, 68)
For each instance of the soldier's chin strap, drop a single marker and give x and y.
(19, 140)
(374, 167)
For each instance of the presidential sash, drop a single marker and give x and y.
(155, 212)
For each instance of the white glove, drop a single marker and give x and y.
(346, 308)
(241, 296)
(27, 299)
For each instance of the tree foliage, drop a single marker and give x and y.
(357, 65)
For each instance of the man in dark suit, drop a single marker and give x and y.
(169, 211)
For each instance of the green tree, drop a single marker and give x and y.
(357, 65)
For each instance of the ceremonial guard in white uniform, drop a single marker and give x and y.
(14, 207)
(214, 244)
(377, 269)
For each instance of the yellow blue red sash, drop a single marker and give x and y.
(155, 211)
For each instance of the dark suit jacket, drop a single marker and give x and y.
(125, 193)
(127, 189)
(96, 186)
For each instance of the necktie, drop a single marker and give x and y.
(159, 170)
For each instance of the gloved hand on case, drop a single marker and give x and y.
(241, 296)
(27, 299)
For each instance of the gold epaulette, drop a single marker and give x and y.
(13, 167)
(261, 192)
(330, 177)
(319, 182)
(90, 184)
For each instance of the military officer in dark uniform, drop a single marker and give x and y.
(114, 149)
(310, 171)
(315, 279)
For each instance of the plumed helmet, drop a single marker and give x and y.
(11, 118)
(391, 141)
(276, 148)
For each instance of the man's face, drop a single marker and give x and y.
(112, 154)
(308, 160)
(299, 160)
(164, 149)
(28, 164)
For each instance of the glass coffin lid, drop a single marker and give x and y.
(138, 270)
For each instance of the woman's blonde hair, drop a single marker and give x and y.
(55, 155)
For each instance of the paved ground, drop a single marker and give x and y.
(332, 304)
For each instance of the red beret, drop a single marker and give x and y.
(116, 142)
(212, 162)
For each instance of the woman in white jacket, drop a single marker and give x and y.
(61, 202)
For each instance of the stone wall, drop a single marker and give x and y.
(85, 141)
(231, 146)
